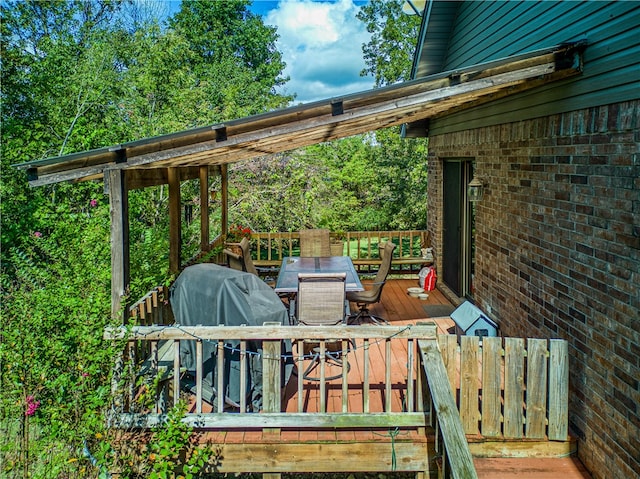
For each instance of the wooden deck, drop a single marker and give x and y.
(306, 447)
(400, 308)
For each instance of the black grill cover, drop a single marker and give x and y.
(210, 295)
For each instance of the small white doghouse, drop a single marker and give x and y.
(471, 321)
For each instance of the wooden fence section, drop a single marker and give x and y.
(362, 246)
(509, 388)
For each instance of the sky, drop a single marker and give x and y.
(321, 43)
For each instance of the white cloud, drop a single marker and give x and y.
(321, 43)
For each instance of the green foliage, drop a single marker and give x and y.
(76, 77)
(235, 52)
(366, 182)
(55, 305)
(170, 450)
(389, 53)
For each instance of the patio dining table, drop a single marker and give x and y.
(293, 265)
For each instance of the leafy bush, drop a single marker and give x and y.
(170, 450)
(55, 365)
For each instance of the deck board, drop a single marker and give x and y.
(531, 468)
(397, 305)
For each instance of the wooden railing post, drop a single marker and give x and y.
(271, 380)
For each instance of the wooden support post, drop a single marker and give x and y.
(204, 208)
(175, 225)
(119, 211)
(271, 383)
(271, 380)
(224, 201)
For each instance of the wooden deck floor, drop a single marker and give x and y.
(397, 305)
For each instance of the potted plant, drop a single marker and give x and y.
(337, 243)
(234, 236)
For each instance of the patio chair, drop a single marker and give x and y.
(321, 302)
(371, 296)
(246, 263)
(315, 242)
(235, 260)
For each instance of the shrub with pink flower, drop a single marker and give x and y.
(32, 406)
(37, 234)
(93, 203)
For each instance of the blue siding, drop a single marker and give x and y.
(486, 31)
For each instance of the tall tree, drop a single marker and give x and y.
(234, 54)
(388, 55)
(400, 162)
(56, 78)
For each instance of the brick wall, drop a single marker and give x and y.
(558, 255)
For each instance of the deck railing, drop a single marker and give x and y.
(419, 378)
(466, 389)
(152, 308)
(167, 342)
(268, 249)
(505, 388)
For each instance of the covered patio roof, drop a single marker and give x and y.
(317, 122)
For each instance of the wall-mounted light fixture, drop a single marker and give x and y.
(475, 189)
